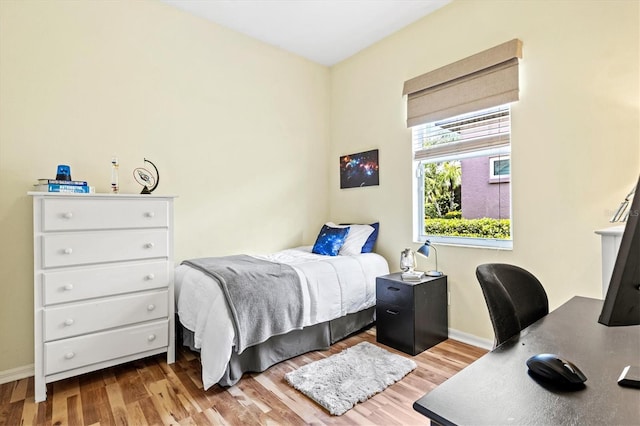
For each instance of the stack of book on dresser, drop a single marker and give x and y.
(68, 186)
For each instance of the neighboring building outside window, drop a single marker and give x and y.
(463, 170)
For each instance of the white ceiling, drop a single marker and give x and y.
(324, 31)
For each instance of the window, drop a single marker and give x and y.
(463, 166)
(461, 124)
(499, 168)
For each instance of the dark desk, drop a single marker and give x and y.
(496, 389)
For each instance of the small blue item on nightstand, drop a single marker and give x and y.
(63, 172)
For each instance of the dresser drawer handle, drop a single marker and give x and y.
(148, 245)
(69, 355)
(389, 311)
(149, 277)
(68, 287)
(67, 215)
(149, 214)
(151, 337)
(393, 288)
(68, 250)
(151, 307)
(68, 322)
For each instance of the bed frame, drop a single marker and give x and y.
(280, 348)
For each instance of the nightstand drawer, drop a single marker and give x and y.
(77, 214)
(101, 314)
(90, 282)
(395, 327)
(67, 354)
(101, 247)
(394, 293)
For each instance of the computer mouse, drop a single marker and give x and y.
(554, 369)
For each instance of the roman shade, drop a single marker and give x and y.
(483, 80)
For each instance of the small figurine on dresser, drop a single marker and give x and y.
(145, 178)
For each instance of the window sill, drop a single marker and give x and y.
(487, 243)
(500, 180)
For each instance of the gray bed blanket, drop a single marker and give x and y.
(265, 298)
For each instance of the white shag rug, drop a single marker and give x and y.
(354, 375)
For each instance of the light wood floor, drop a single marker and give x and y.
(151, 392)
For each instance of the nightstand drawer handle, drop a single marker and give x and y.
(148, 245)
(149, 277)
(68, 287)
(389, 311)
(151, 307)
(393, 288)
(69, 355)
(68, 322)
(68, 250)
(149, 214)
(67, 215)
(151, 337)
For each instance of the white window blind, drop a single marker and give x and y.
(478, 132)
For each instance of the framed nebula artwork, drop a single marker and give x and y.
(359, 169)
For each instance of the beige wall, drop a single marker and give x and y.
(238, 129)
(575, 136)
(249, 136)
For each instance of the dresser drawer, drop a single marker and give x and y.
(91, 282)
(67, 354)
(78, 214)
(394, 293)
(101, 314)
(100, 247)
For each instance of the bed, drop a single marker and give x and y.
(319, 299)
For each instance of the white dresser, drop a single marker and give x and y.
(103, 282)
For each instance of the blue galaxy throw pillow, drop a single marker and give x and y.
(330, 240)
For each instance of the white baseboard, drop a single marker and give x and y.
(17, 373)
(470, 339)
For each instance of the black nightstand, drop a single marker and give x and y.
(411, 316)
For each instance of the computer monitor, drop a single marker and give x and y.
(622, 303)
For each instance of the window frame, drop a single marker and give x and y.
(419, 200)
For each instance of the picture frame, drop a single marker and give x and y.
(359, 170)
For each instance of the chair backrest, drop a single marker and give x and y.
(515, 298)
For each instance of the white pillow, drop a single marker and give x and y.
(356, 238)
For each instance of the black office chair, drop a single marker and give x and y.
(515, 298)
